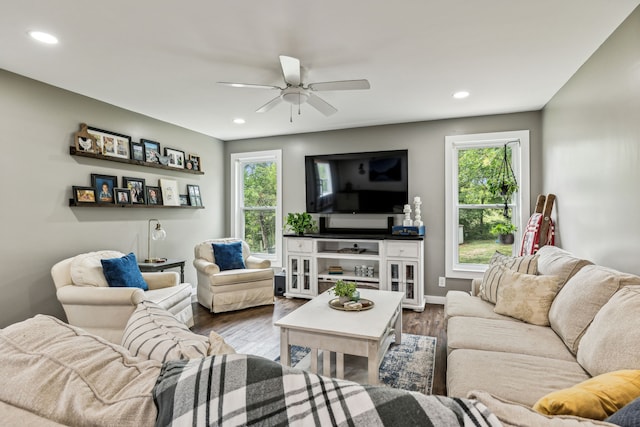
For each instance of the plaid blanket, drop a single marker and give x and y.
(242, 390)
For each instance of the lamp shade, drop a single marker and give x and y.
(157, 233)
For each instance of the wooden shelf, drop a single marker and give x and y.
(74, 152)
(73, 204)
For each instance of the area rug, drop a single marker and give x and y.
(408, 366)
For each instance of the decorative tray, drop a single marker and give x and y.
(337, 305)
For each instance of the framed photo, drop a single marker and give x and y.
(111, 144)
(151, 151)
(194, 195)
(170, 195)
(84, 194)
(196, 165)
(154, 196)
(104, 186)
(184, 200)
(176, 158)
(136, 187)
(123, 197)
(137, 151)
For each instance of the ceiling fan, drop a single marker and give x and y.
(296, 93)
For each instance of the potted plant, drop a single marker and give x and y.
(300, 222)
(504, 231)
(345, 291)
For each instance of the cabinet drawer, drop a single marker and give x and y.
(403, 249)
(299, 245)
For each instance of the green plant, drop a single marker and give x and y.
(502, 228)
(300, 222)
(344, 289)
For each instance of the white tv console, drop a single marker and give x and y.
(398, 264)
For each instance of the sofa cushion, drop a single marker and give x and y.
(123, 272)
(595, 398)
(86, 269)
(493, 276)
(581, 298)
(239, 277)
(228, 256)
(554, 261)
(78, 378)
(527, 297)
(519, 377)
(508, 336)
(612, 342)
(460, 303)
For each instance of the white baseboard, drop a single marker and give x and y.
(433, 299)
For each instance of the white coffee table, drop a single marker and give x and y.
(362, 333)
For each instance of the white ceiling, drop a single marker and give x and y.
(163, 58)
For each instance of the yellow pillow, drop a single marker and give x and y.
(595, 398)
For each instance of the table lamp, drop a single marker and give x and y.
(158, 233)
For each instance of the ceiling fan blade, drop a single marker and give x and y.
(248, 85)
(269, 105)
(290, 70)
(341, 85)
(321, 105)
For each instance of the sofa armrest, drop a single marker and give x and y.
(475, 287)
(163, 279)
(206, 267)
(99, 296)
(255, 262)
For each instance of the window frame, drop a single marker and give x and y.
(520, 213)
(238, 160)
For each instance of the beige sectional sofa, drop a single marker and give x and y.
(592, 328)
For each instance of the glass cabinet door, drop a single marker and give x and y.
(293, 271)
(410, 283)
(306, 272)
(394, 277)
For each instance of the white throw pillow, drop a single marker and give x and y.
(86, 269)
(493, 276)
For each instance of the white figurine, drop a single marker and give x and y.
(418, 221)
(407, 216)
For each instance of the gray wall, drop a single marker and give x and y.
(591, 153)
(37, 172)
(425, 142)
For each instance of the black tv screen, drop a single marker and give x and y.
(371, 182)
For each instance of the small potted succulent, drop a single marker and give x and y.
(504, 231)
(345, 291)
(300, 222)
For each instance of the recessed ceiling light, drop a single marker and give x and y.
(239, 121)
(461, 94)
(43, 37)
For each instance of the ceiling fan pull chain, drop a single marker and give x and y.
(290, 113)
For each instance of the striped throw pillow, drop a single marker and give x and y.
(495, 272)
(156, 334)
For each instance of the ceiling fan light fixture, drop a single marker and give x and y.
(295, 96)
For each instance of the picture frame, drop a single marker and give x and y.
(154, 195)
(104, 186)
(82, 195)
(151, 151)
(176, 158)
(123, 196)
(84, 141)
(196, 164)
(137, 151)
(170, 194)
(136, 187)
(111, 144)
(194, 195)
(184, 200)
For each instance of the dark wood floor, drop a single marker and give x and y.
(251, 330)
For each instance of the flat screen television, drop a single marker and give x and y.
(369, 182)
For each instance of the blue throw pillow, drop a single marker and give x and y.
(629, 416)
(228, 255)
(123, 272)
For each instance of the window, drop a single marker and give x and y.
(324, 178)
(256, 200)
(472, 210)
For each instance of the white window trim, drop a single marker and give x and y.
(237, 225)
(521, 216)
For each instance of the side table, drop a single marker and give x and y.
(152, 267)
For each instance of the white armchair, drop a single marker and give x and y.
(235, 289)
(92, 305)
